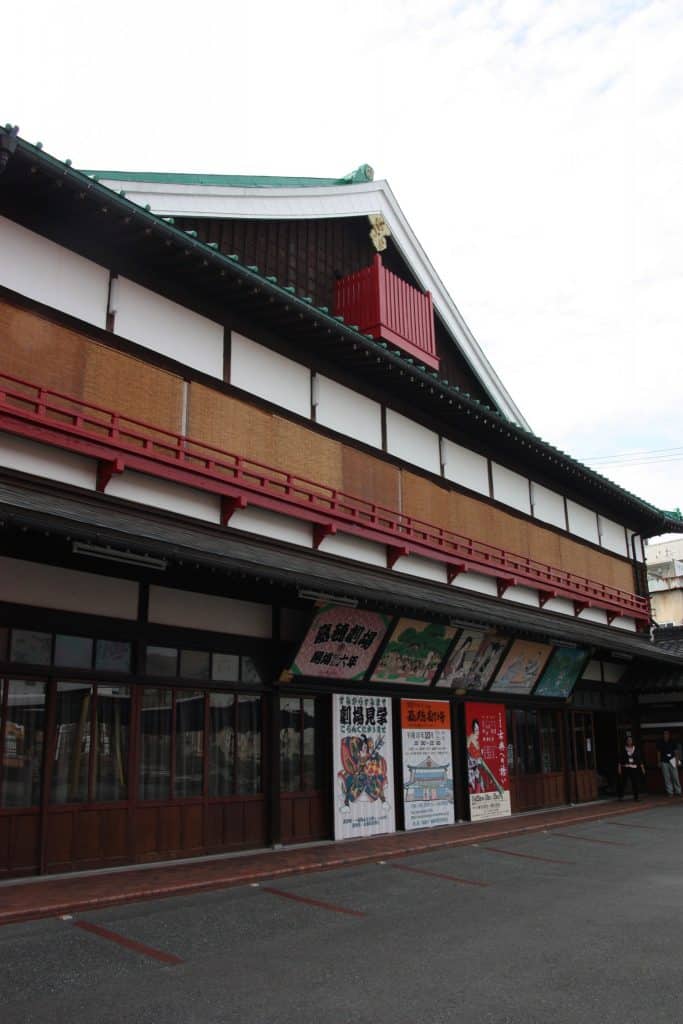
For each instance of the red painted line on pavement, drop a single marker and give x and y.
(650, 828)
(527, 856)
(588, 839)
(121, 940)
(311, 902)
(438, 874)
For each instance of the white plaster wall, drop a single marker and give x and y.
(162, 494)
(469, 469)
(592, 672)
(425, 568)
(613, 671)
(412, 442)
(45, 461)
(49, 586)
(207, 611)
(638, 546)
(271, 524)
(548, 506)
(345, 545)
(612, 536)
(265, 373)
(594, 615)
(582, 522)
(167, 327)
(624, 622)
(522, 595)
(476, 581)
(559, 604)
(49, 273)
(510, 488)
(342, 409)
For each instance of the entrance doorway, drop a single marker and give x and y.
(583, 776)
(305, 728)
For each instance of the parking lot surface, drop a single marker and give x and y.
(572, 923)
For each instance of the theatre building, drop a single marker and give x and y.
(280, 559)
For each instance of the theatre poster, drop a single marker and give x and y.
(363, 766)
(427, 763)
(488, 778)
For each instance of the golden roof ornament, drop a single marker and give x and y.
(380, 231)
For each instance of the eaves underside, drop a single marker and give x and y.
(32, 506)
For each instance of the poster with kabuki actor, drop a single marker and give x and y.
(362, 766)
(488, 778)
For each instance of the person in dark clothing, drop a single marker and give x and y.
(668, 760)
(630, 768)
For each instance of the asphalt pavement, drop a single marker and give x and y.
(574, 923)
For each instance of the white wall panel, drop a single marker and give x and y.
(593, 672)
(207, 611)
(49, 586)
(272, 524)
(412, 442)
(162, 494)
(624, 622)
(559, 604)
(43, 460)
(345, 545)
(612, 536)
(510, 488)
(464, 467)
(637, 546)
(424, 568)
(548, 506)
(476, 581)
(342, 409)
(265, 373)
(167, 327)
(49, 273)
(582, 522)
(594, 615)
(612, 671)
(522, 595)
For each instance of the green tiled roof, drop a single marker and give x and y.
(361, 174)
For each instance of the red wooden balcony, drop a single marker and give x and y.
(383, 305)
(118, 443)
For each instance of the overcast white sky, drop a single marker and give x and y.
(536, 149)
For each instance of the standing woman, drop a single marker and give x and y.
(630, 766)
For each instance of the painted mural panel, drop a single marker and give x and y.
(414, 652)
(562, 672)
(488, 779)
(473, 660)
(340, 643)
(427, 763)
(363, 768)
(522, 667)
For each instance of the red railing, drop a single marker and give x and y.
(119, 442)
(383, 305)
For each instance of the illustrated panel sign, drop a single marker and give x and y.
(340, 643)
(427, 763)
(488, 779)
(562, 672)
(521, 668)
(363, 768)
(414, 652)
(473, 660)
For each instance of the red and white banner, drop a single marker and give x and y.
(488, 778)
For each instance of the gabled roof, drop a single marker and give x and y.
(223, 196)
